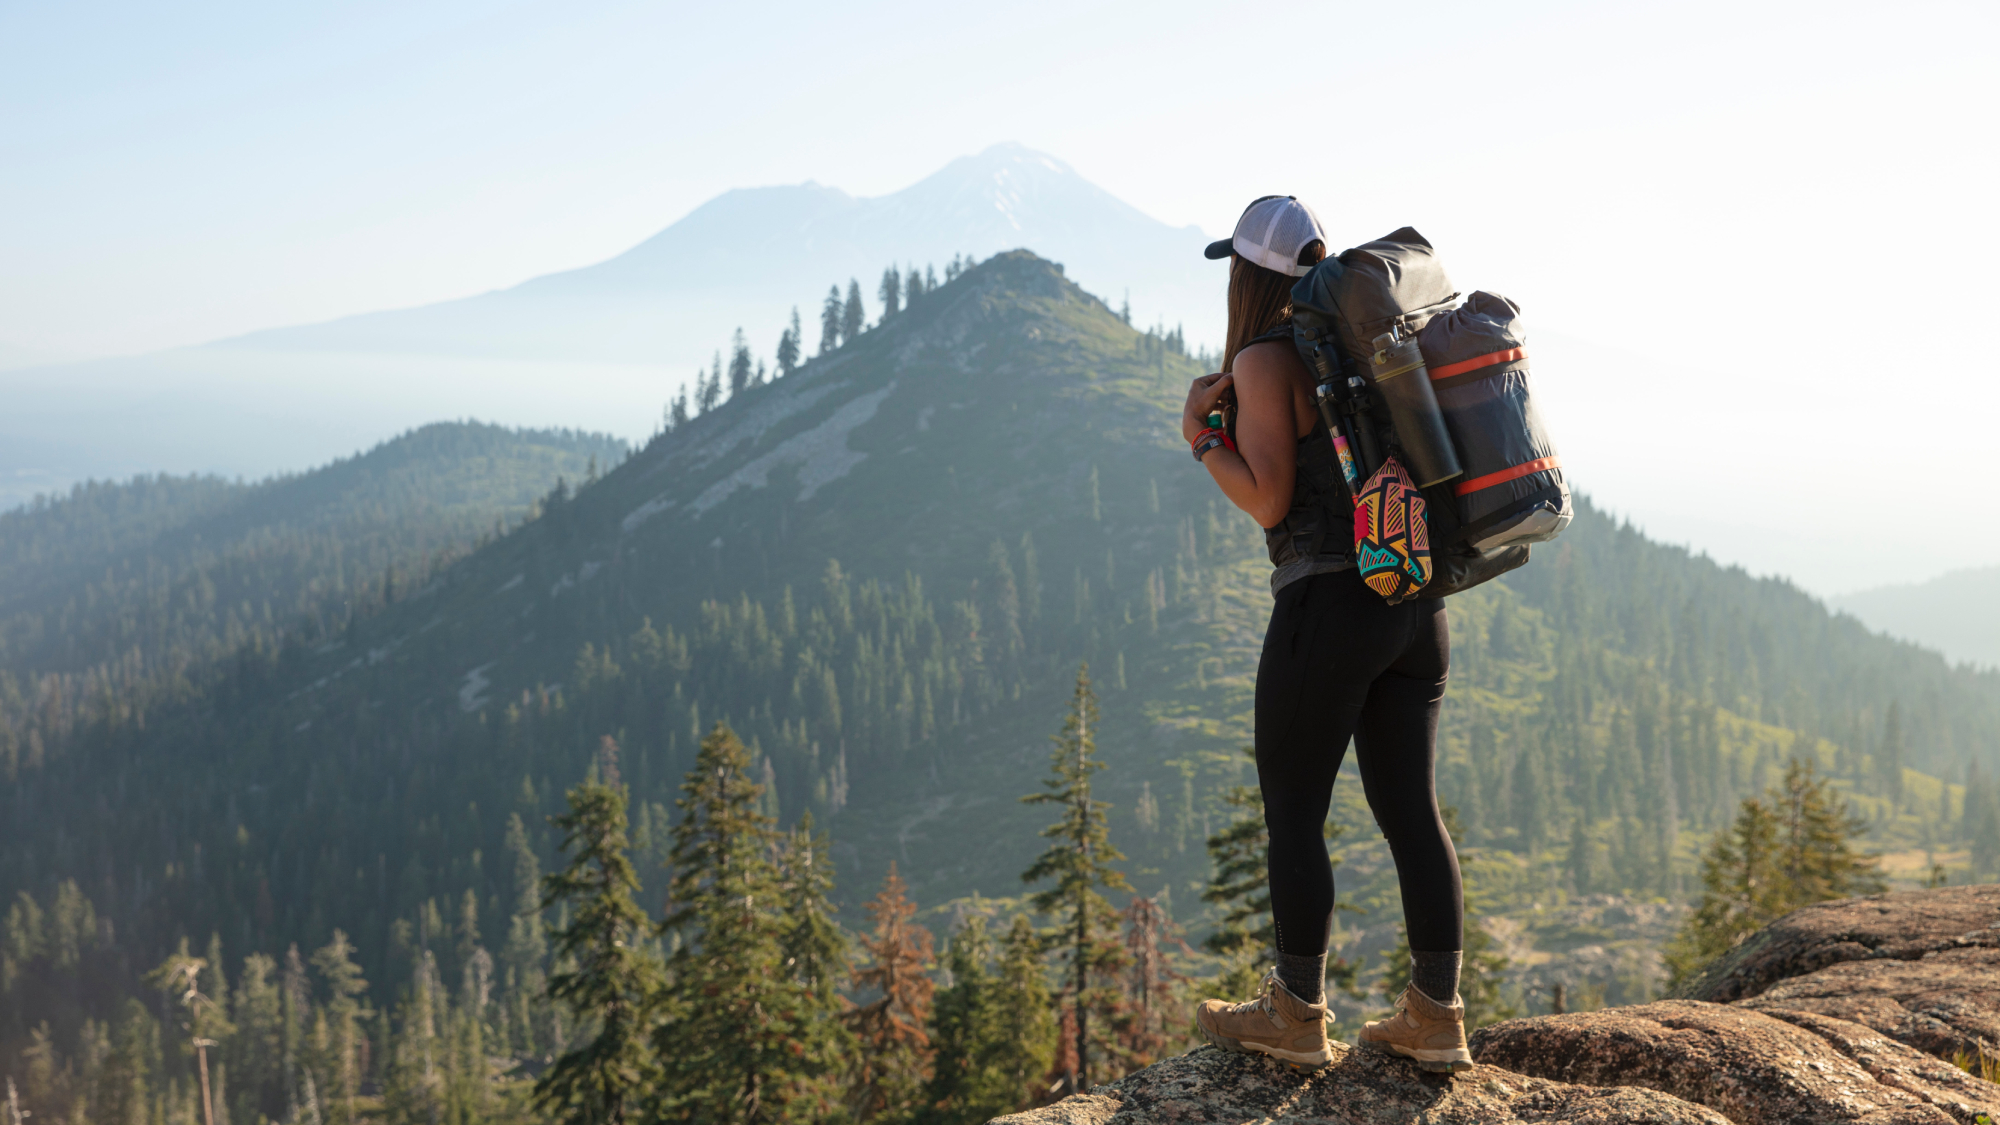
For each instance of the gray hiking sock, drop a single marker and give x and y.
(1436, 974)
(1304, 976)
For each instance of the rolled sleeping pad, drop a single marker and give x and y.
(1513, 490)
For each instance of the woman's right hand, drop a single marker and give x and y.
(1203, 394)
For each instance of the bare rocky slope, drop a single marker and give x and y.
(1849, 1011)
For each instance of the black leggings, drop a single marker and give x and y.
(1339, 661)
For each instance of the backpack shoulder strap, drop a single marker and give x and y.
(1281, 334)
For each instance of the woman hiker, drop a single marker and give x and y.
(1339, 661)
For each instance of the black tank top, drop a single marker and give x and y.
(1317, 534)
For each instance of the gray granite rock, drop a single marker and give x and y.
(1216, 1087)
(1755, 1068)
(1904, 926)
(1937, 1082)
(1922, 967)
(1947, 1002)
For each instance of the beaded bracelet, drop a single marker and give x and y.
(1213, 433)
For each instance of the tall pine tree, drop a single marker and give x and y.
(741, 370)
(738, 1038)
(1792, 847)
(1027, 1023)
(1740, 892)
(991, 1027)
(207, 1022)
(526, 951)
(790, 343)
(1154, 1017)
(609, 979)
(419, 1068)
(816, 958)
(1818, 859)
(832, 315)
(893, 1046)
(961, 1090)
(256, 1057)
(346, 1014)
(891, 292)
(1079, 860)
(853, 314)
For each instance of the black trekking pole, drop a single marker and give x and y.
(1341, 399)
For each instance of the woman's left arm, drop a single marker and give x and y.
(1258, 476)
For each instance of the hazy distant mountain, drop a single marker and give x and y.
(1958, 613)
(600, 348)
(746, 256)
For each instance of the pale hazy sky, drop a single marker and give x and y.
(1780, 214)
(181, 172)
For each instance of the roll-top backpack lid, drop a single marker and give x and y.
(1383, 282)
(1315, 303)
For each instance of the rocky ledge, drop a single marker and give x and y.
(1905, 926)
(1213, 1086)
(1753, 1067)
(1847, 1011)
(1852, 1010)
(1922, 967)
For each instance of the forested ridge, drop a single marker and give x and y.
(126, 595)
(881, 569)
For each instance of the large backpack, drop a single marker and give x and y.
(1511, 492)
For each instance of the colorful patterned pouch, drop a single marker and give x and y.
(1392, 543)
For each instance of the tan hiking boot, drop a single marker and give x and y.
(1277, 1024)
(1424, 1030)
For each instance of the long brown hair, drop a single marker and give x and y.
(1259, 300)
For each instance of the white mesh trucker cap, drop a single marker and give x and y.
(1273, 232)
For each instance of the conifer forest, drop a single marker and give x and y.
(866, 746)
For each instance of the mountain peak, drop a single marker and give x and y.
(1009, 155)
(603, 346)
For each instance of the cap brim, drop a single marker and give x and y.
(1220, 248)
